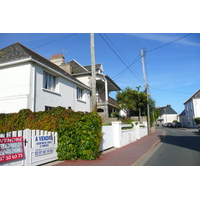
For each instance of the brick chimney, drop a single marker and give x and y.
(57, 59)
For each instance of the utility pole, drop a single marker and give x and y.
(93, 81)
(147, 92)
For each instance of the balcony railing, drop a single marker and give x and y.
(101, 99)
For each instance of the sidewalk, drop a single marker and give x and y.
(128, 155)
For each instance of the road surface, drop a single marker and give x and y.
(181, 147)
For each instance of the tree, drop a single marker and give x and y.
(156, 114)
(129, 99)
(125, 100)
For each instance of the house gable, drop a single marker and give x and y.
(76, 67)
(17, 52)
(196, 95)
(166, 110)
(98, 67)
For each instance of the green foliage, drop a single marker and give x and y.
(114, 114)
(79, 134)
(125, 100)
(197, 120)
(83, 135)
(127, 120)
(130, 99)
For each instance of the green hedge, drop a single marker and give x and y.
(197, 120)
(79, 134)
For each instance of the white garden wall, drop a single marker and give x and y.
(114, 136)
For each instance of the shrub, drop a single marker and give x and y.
(79, 134)
(127, 120)
(83, 135)
(197, 120)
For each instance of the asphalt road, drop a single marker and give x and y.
(179, 148)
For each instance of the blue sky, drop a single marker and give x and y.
(172, 70)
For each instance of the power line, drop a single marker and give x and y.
(55, 41)
(133, 39)
(168, 43)
(171, 91)
(127, 67)
(112, 49)
(115, 46)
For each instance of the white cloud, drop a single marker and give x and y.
(165, 38)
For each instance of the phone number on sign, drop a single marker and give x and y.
(39, 152)
(11, 157)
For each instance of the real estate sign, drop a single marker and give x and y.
(11, 148)
(43, 145)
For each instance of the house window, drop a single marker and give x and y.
(80, 94)
(188, 121)
(191, 105)
(48, 108)
(49, 81)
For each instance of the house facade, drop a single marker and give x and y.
(192, 110)
(28, 80)
(104, 84)
(167, 115)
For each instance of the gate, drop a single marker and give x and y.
(39, 147)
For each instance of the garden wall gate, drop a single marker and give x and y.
(38, 147)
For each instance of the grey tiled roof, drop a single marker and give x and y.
(166, 110)
(17, 52)
(183, 112)
(77, 67)
(89, 67)
(13, 52)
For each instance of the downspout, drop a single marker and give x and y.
(33, 96)
(106, 96)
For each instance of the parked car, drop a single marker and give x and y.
(199, 128)
(169, 125)
(177, 125)
(165, 124)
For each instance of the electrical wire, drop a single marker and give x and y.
(112, 49)
(114, 46)
(55, 41)
(127, 67)
(168, 43)
(171, 91)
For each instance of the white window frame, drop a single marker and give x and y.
(48, 108)
(80, 94)
(191, 106)
(49, 81)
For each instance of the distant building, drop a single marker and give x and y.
(167, 115)
(192, 110)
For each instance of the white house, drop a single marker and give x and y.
(166, 115)
(192, 110)
(28, 80)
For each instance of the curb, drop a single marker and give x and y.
(151, 148)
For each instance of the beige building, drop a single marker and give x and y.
(104, 84)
